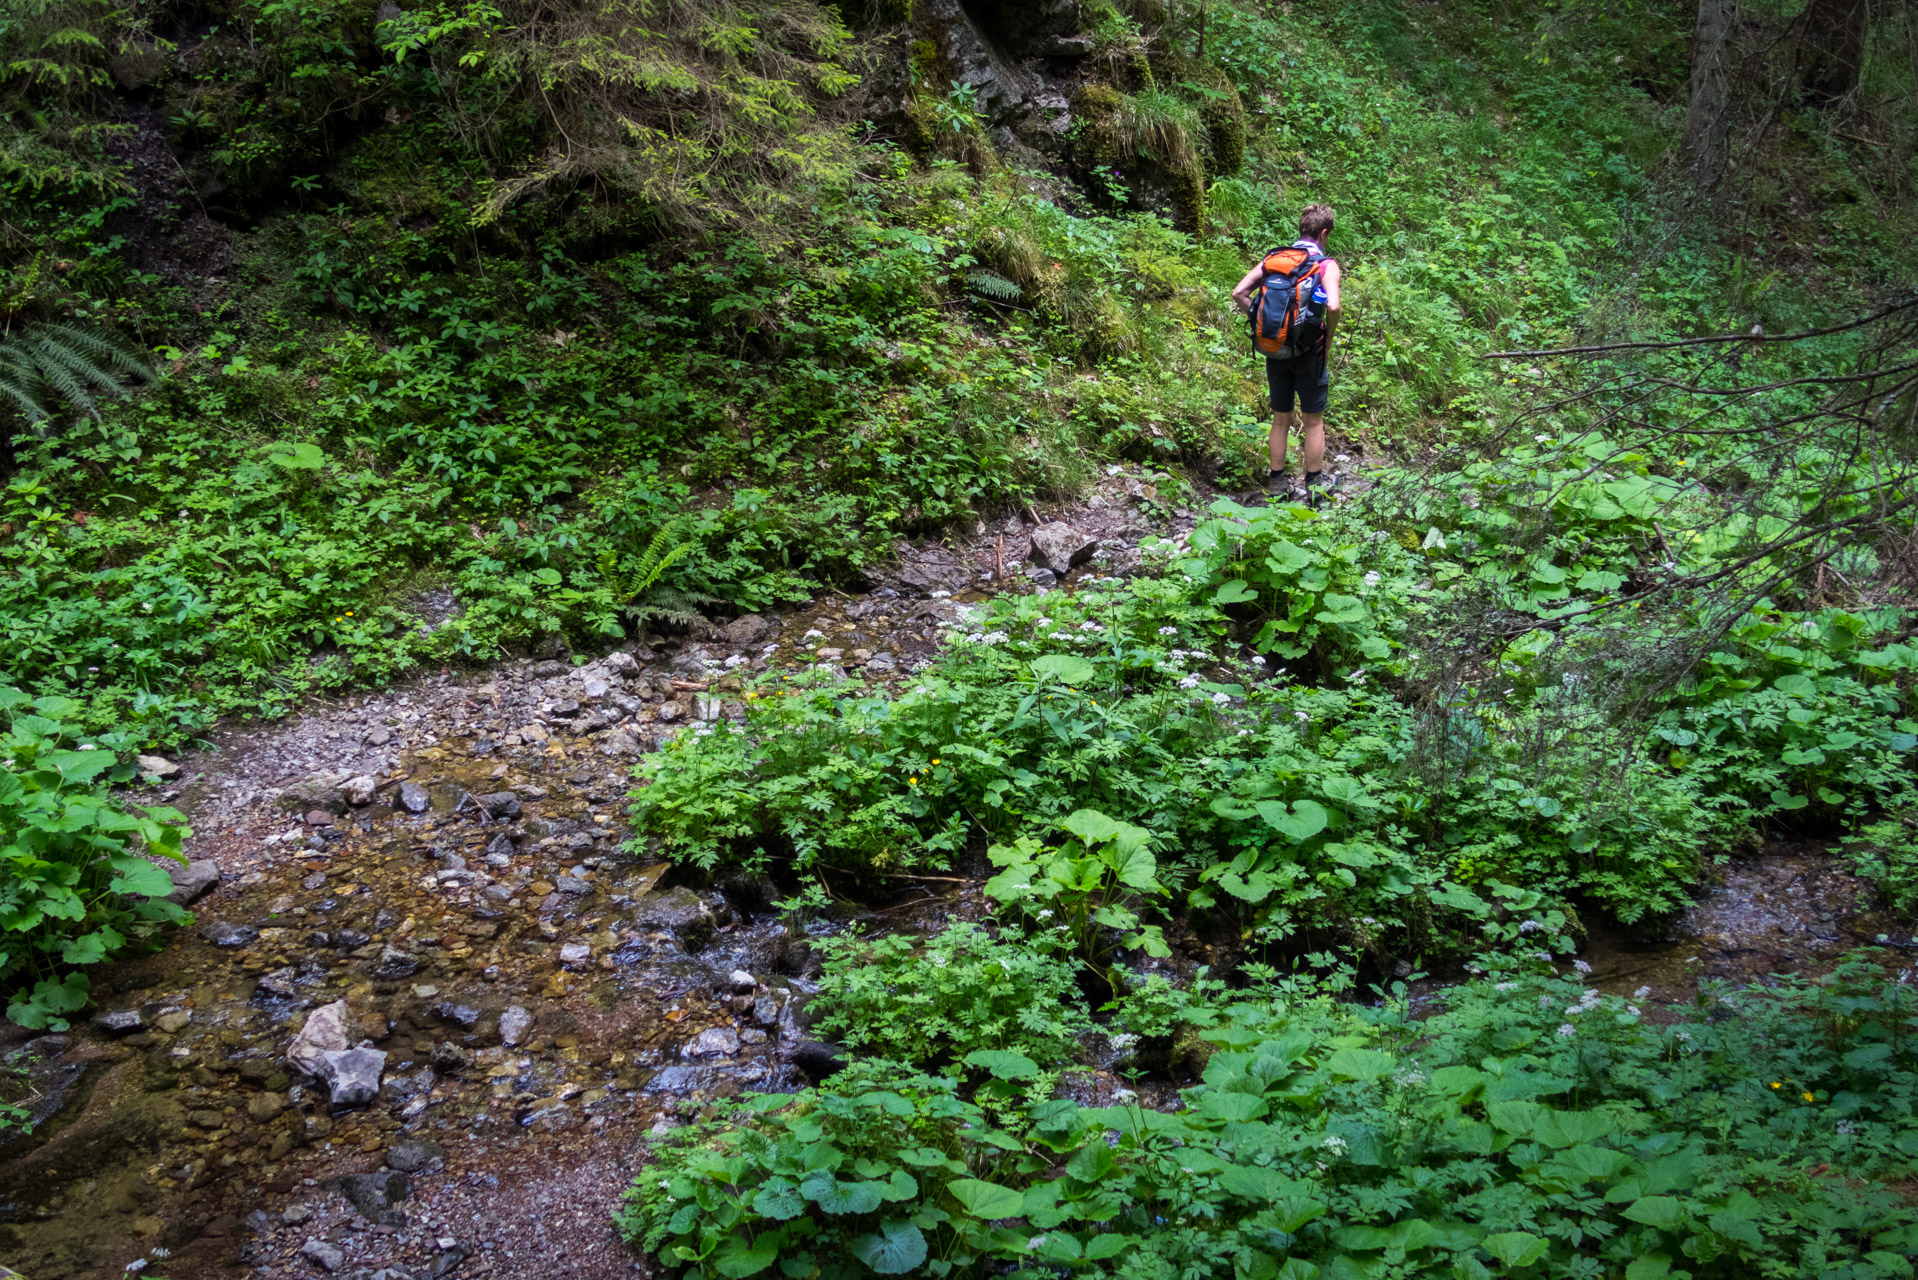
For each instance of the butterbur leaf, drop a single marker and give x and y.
(1664, 1212)
(137, 875)
(1515, 1248)
(900, 1186)
(986, 1200)
(1361, 1064)
(779, 1199)
(1064, 668)
(1004, 1064)
(739, 1257)
(896, 1248)
(834, 1196)
(1307, 819)
(1234, 592)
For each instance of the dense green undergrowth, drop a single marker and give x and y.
(1529, 1128)
(431, 375)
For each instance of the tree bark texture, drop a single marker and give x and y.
(1707, 117)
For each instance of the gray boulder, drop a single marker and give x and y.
(316, 791)
(193, 880)
(352, 1076)
(1058, 546)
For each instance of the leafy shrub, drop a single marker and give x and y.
(841, 1181)
(931, 1002)
(1092, 884)
(78, 886)
(1532, 1127)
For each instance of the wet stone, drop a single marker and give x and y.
(359, 790)
(573, 884)
(279, 983)
(264, 1108)
(373, 1195)
(352, 1076)
(324, 1032)
(714, 1042)
(328, 1256)
(413, 797)
(222, 933)
(192, 881)
(378, 736)
(463, 1015)
(514, 1023)
(446, 798)
(500, 804)
(119, 1022)
(173, 1023)
(395, 964)
(318, 818)
(416, 1155)
(313, 881)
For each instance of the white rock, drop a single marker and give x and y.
(514, 1023)
(358, 790)
(714, 1042)
(158, 766)
(324, 1032)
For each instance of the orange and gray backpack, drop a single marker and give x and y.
(1288, 308)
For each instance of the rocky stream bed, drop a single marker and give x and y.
(430, 1011)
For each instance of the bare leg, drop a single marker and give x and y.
(1275, 447)
(1314, 435)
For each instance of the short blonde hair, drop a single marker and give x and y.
(1316, 221)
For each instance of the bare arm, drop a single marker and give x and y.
(1331, 276)
(1242, 292)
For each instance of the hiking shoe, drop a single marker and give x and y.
(1316, 494)
(1276, 486)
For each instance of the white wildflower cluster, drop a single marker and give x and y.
(1334, 1143)
(1408, 1077)
(1372, 578)
(1581, 966)
(1090, 625)
(1357, 677)
(1567, 1030)
(1168, 631)
(1586, 1003)
(1043, 622)
(1190, 682)
(1529, 926)
(815, 634)
(1505, 986)
(993, 637)
(1122, 1041)
(1641, 993)
(1220, 699)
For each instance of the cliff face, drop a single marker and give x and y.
(1092, 92)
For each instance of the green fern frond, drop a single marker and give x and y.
(46, 363)
(993, 285)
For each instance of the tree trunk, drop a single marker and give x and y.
(1833, 48)
(1707, 117)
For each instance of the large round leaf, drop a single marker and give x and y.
(896, 1248)
(1066, 668)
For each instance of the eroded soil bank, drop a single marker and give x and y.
(442, 867)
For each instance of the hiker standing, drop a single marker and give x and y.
(1292, 300)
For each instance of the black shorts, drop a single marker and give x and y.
(1309, 376)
